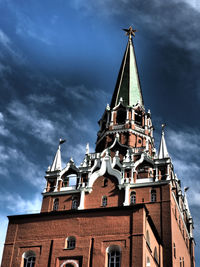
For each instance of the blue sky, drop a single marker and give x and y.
(59, 62)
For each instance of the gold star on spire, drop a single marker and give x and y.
(129, 32)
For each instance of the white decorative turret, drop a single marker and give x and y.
(163, 153)
(56, 165)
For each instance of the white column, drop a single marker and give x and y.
(132, 116)
(168, 177)
(132, 173)
(82, 199)
(56, 187)
(156, 174)
(126, 199)
(127, 116)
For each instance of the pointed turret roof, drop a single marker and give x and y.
(56, 165)
(163, 153)
(128, 83)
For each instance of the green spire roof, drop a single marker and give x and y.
(128, 82)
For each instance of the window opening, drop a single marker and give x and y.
(104, 201)
(174, 247)
(74, 203)
(153, 195)
(138, 119)
(55, 204)
(133, 197)
(105, 182)
(114, 257)
(148, 262)
(156, 255)
(148, 238)
(121, 116)
(29, 259)
(71, 242)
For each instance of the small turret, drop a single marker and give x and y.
(163, 152)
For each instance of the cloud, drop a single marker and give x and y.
(13, 203)
(31, 121)
(3, 130)
(9, 48)
(10, 156)
(5, 40)
(183, 146)
(27, 27)
(41, 99)
(16, 204)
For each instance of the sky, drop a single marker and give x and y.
(59, 62)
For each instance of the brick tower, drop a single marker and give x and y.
(123, 206)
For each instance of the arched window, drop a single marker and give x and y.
(153, 195)
(155, 254)
(133, 197)
(104, 201)
(55, 204)
(74, 203)
(174, 248)
(148, 262)
(148, 238)
(70, 242)
(114, 256)
(121, 116)
(29, 258)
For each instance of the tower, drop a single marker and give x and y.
(123, 206)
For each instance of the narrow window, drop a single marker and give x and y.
(70, 242)
(29, 259)
(114, 256)
(133, 197)
(105, 182)
(148, 262)
(174, 248)
(183, 264)
(155, 254)
(74, 203)
(148, 238)
(180, 260)
(55, 204)
(104, 201)
(153, 195)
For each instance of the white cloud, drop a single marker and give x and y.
(3, 130)
(10, 156)
(13, 203)
(10, 49)
(4, 39)
(32, 122)
(3, 226)
(41, 99)
(184, 148)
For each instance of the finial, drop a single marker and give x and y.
(186, 188)
(130, 32)
(61, 141)
(108, 107)
(87, 150)
(163, 127)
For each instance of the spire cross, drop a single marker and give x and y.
(129, 32)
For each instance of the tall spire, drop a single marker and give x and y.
(57, 165)
(128, 83)
(163, 153)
